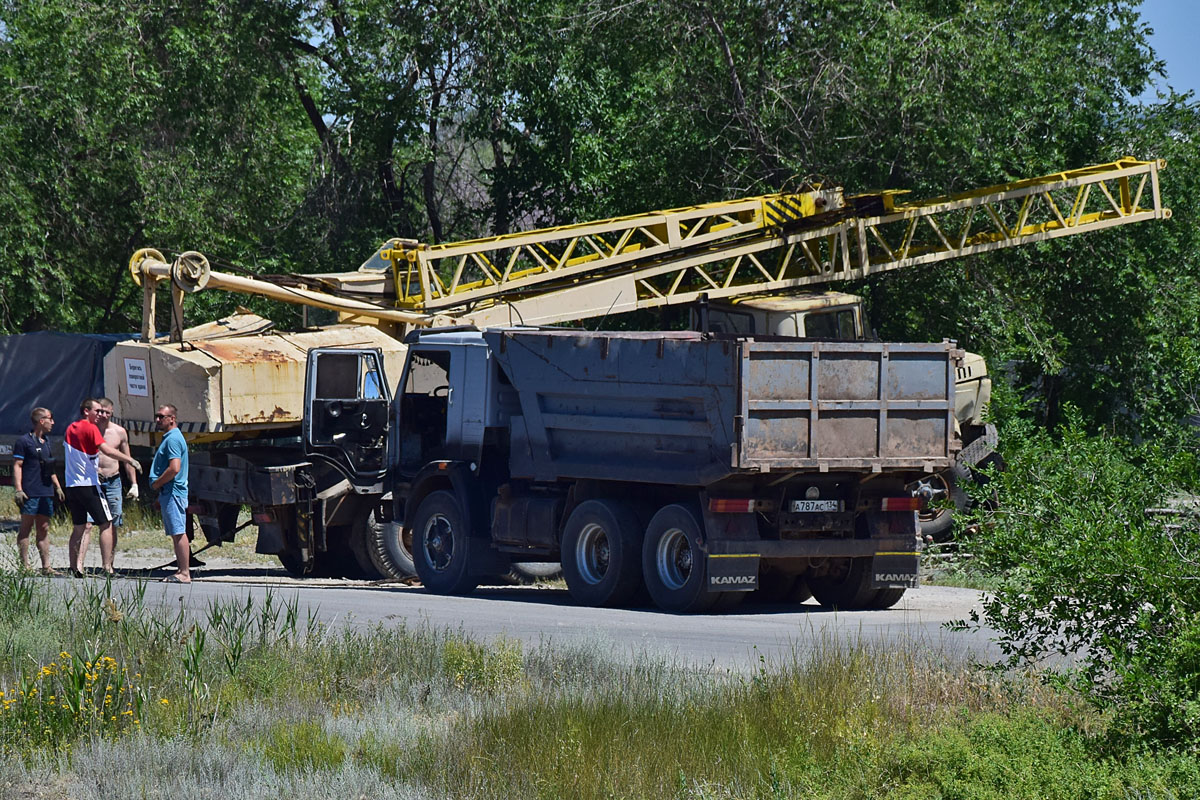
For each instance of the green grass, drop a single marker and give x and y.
(238, 699)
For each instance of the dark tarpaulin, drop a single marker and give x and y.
(53, 370)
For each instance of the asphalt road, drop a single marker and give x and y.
(732, 640)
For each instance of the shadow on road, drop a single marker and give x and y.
(276, 577)
(546, 596)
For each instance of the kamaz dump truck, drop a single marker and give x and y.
(697, 468)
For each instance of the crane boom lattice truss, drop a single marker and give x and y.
(768, 244)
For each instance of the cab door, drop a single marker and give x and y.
(346, 412)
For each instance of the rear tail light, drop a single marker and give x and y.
(901, 504)
(730, 505)
(738, 505)
(263, 517)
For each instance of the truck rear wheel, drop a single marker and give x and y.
(292, 562)
(534, 571)
(886, 598)
(290, 556)
(846, 585)
(440, 541)
(344, 557)
(673, 563)
(358, 542)
(398, 543)
(777, 586)
(601, 553)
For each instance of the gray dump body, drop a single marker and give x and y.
(687, 410)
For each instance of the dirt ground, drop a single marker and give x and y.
(145, 553)
(143, 550)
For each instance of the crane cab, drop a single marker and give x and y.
(816, 315)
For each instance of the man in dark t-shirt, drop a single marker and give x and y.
(36, 486)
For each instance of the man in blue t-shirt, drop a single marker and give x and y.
(169, 477)
(37, 486)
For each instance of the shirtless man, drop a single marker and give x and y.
(82, 443)
(110, 481)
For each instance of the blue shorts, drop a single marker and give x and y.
(111, 489)
(38, 507)
(174, 514)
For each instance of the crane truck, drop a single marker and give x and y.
(248, 400)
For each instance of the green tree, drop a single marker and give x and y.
(1091, 576)
(130, 125)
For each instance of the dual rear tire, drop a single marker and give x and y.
(847, 586)
(601, 558)
(673, 562)
(608, 555)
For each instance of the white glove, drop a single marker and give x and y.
(132, 494)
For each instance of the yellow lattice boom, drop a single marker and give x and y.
(776, 244)
(772, 243)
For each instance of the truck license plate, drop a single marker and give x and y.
(815, 506)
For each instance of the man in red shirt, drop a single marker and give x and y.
(82, 444)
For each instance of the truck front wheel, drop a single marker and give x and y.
(440, 543)
(387, 545)
(673, 563)
(601, 553)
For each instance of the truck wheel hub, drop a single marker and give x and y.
(592, 554)
(674, 559)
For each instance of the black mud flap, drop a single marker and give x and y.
(894, 570)
(270, 538)
(732, 573)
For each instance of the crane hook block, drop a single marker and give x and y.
(190, 272)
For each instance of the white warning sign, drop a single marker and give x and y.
(137, 382)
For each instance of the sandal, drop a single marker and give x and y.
(174, 579)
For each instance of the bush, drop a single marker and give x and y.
(1089, 575)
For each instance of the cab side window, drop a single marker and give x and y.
(423, 407)
(830, 325)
